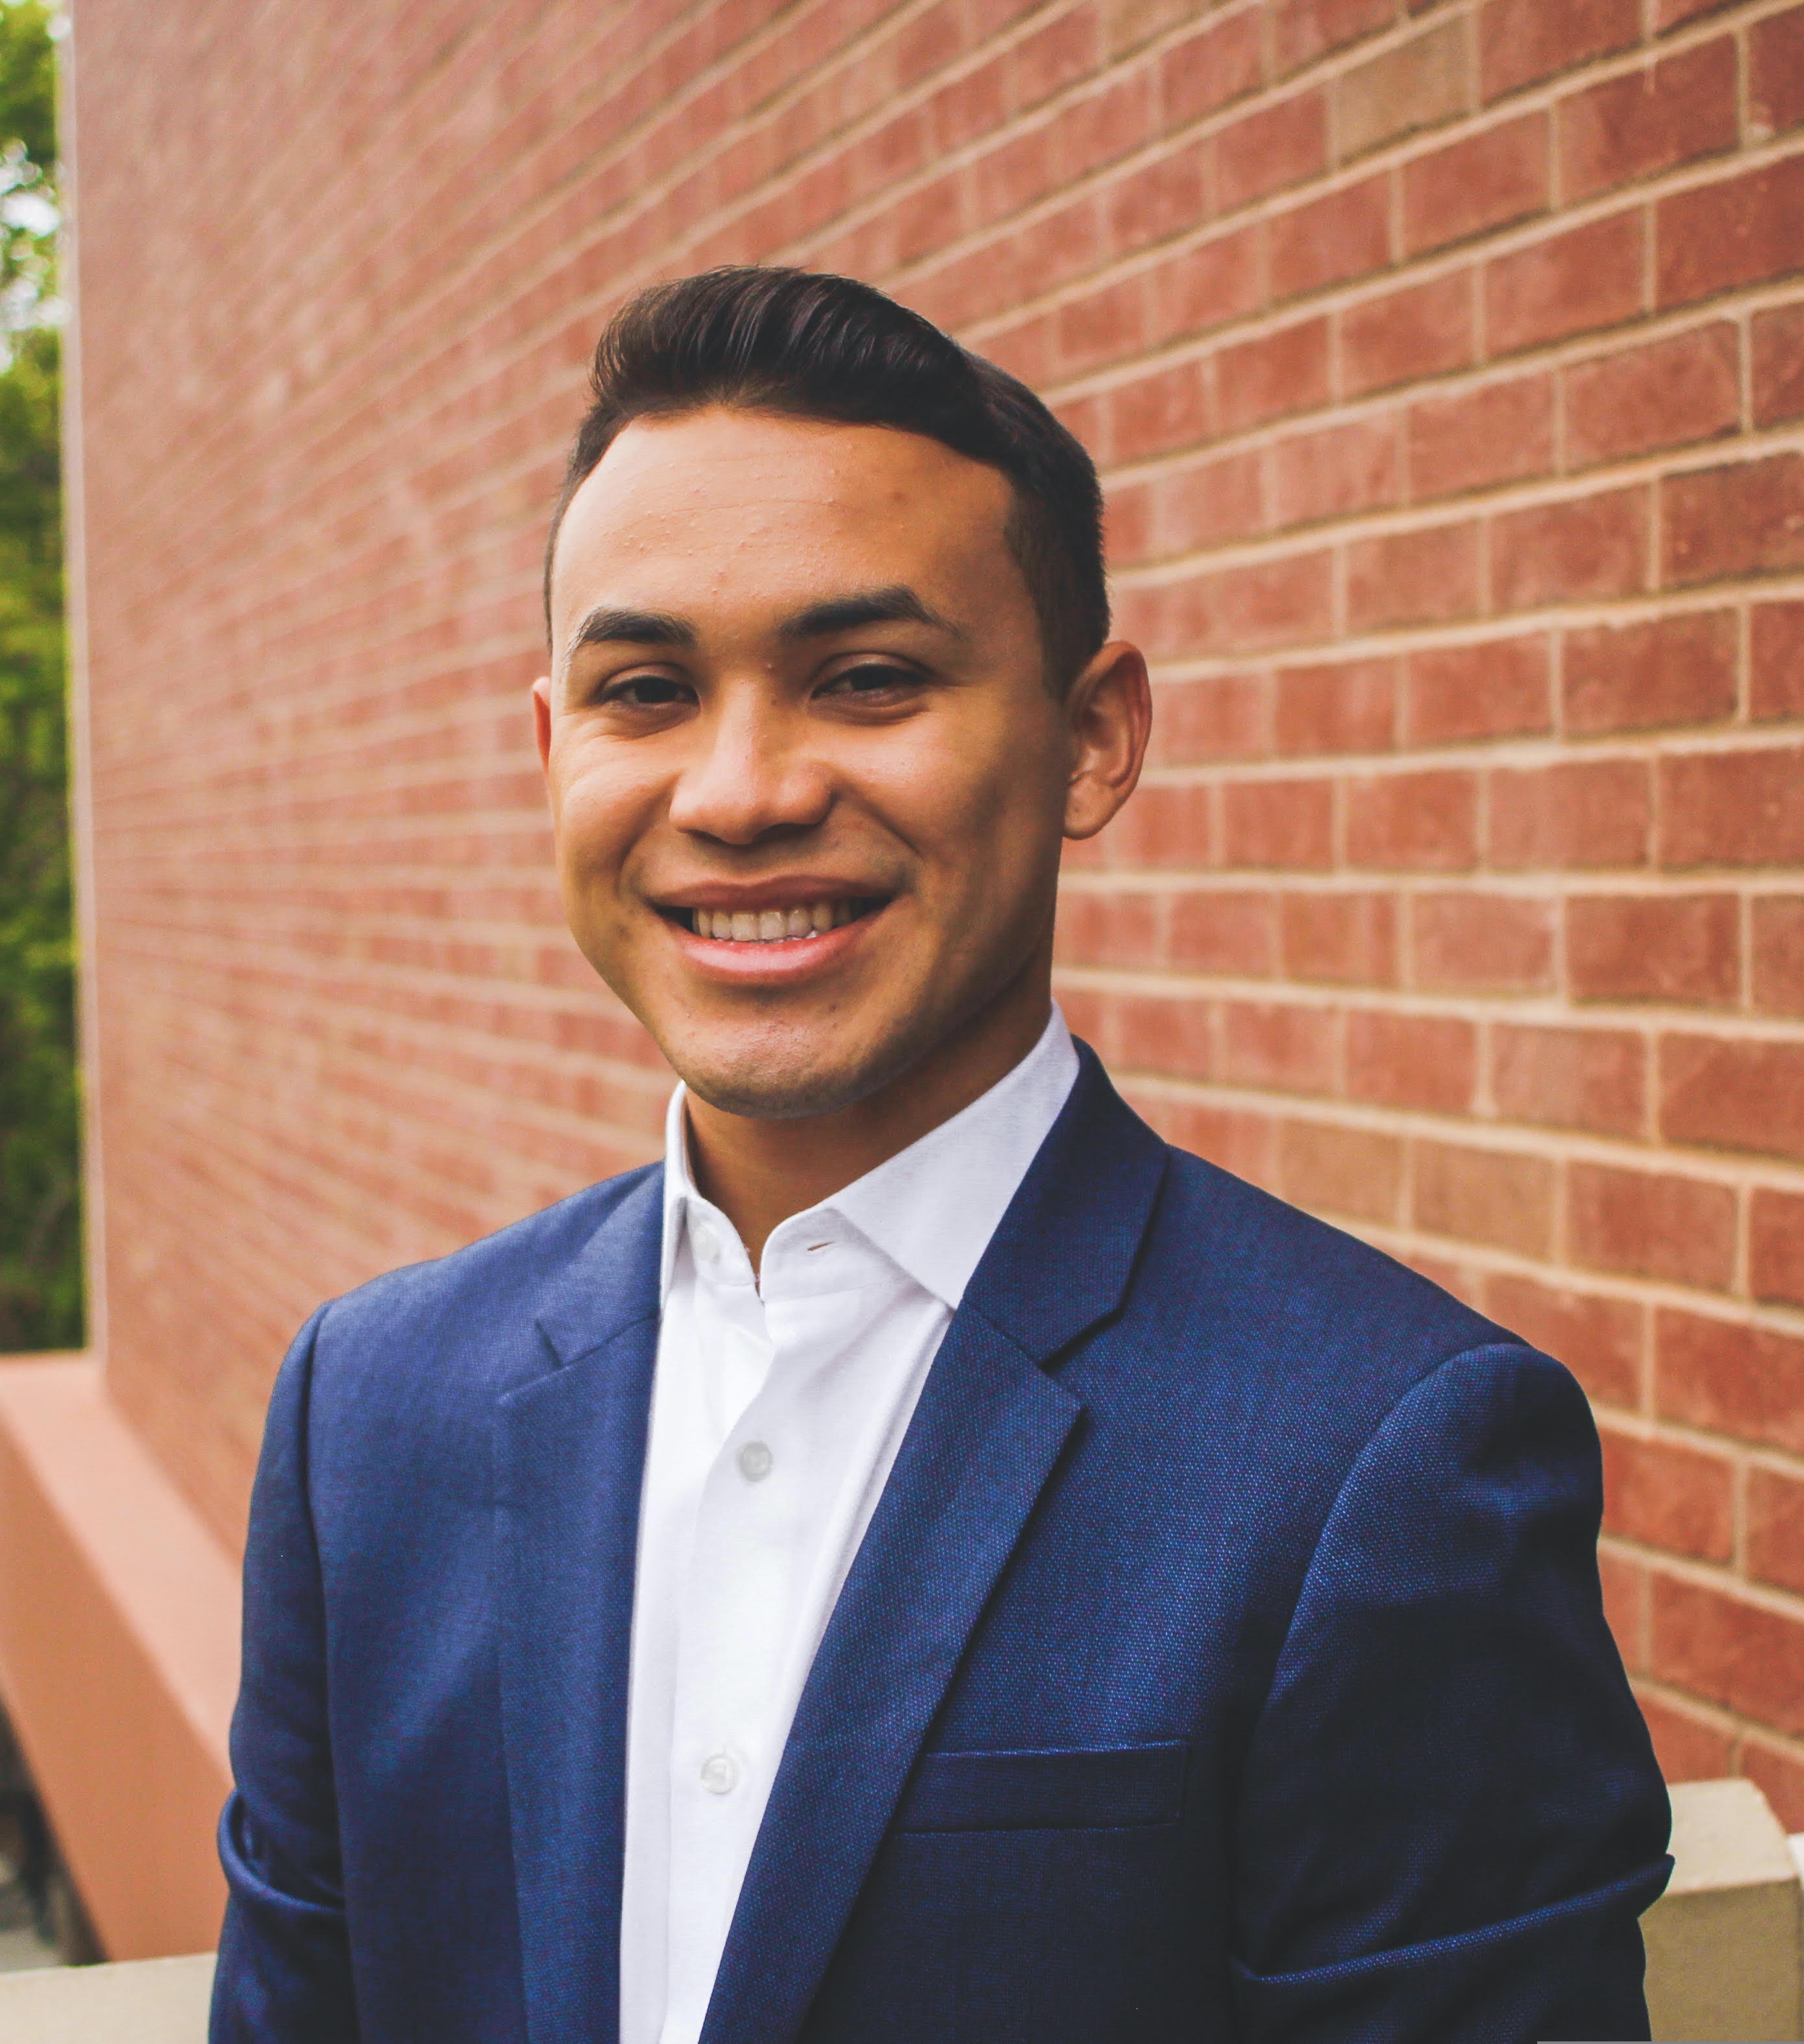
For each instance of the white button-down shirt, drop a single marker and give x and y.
(777, 1408)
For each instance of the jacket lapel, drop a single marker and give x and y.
(987, 1434)
(569, 1451)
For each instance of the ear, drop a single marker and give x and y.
(1109, 714)
(542, 719)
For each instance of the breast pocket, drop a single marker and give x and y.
(1117, 1787)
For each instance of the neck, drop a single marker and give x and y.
(759, 1173)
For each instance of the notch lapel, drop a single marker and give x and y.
(988, 1431)
(569, 1458)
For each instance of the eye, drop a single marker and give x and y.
(873, 679)
(647, 692)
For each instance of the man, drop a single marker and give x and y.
(927, 1562)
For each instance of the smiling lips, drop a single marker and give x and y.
(772, 926)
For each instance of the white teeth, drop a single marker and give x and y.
(770, 926)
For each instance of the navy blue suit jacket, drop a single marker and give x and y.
(1225, 1659)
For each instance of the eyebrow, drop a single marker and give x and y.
(607, 627)
(894, 604)
(897, 603)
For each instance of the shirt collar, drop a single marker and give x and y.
(932, 1208)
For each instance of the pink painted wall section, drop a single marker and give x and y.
(118, 1658)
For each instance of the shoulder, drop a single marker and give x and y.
(472, 1312)
(1303, 1335)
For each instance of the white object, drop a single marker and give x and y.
(1725, 1942)
(143, 2001)
(776, 1412)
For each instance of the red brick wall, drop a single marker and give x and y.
(1447, 365)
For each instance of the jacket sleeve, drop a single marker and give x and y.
(1452, 1817)
(284, 1974)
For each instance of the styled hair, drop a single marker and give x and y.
(812, 346)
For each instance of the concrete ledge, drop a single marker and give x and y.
(118, 1658)
(1725, 1942)
(156, 2001)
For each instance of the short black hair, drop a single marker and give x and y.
(814, 346)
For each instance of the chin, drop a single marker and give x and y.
(783, 1080)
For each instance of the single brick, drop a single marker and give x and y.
(1475, 183)
(1336, 706)
(1344, 234)
(1302, 30)
(1521, 42)
(1775, 72)
(1574, 813)
(1779, 954)
(1156, 201)
(1588, 276)
(1277, 145)
(1217, 281)
(1499, 433)
(1745, 518)
(1730, 1376)
(1775, 1246)
(1732, 808)
(1664, 1494)
(1592, 1079)
(1411, 86)
(1356, 465)
(1500, 1197)
(1154, 414)
(1779, 365)
(1775, 1528)
(1744, 229)
(1427, 575)
(1205, 504)
(1225, 717)
(1662, 394)
(1420, 822)
(1651, 1224)
(1575, 549)
(1776, 662)
(1278, 823)
(1733, 1093)
(1496, 688)
(1340, 938)
(1421, 1061)
(1743, 1656)
(1642, 121)
(1356, 1173)
(1416, 332)
(1281, 1044)
(1677, 669)
(1206, 71)
(1274, 375)
(1654, 948)
(1481, 943)
(1227, 931)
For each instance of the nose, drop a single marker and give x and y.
(752, 773)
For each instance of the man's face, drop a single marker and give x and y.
(808, 783)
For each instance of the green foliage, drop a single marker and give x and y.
(41, 1287)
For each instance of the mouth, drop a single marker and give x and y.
(796, 924)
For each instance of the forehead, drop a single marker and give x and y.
(727, 501)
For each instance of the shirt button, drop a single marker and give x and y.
(755, 1461)
(719, 1773)
(705, 1243)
